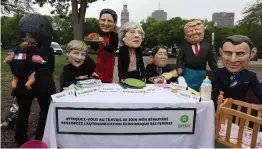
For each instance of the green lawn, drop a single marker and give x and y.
(257, 68)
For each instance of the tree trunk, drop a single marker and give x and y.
(78, 31)
(78, 18)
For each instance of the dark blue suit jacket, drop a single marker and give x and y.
(246, 80)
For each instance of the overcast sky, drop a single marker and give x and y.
(141, 9)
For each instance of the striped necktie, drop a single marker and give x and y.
(159, 70)
(233, 81)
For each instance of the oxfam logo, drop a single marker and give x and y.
(184, 118)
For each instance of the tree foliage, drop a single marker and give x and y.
(63, 29)
(9, 30)
(16, 6)
(253, 14)
(78, 11)
(167, 32)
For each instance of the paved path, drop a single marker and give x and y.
(173, 61)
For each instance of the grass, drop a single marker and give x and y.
(257, 68)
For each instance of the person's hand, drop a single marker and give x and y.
(179, 70)
(83, 77)
(103, 44)
(122, 80)
(95, 74)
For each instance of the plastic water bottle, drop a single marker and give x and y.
(206, 89)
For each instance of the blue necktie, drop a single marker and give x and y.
(233, 81)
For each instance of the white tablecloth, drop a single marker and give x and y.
(202, 138)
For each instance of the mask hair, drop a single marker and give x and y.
(156, 48)
(238, 39)
(109, 11)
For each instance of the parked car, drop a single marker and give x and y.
(57, 48)
(169, 50)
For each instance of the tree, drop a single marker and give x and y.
(9, 31)
(91, 26)
(251, 24)
(221, 34)
(253, 14)
(63, 29)
(17, 6)
(78, 12)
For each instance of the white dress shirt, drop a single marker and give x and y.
(193, 48)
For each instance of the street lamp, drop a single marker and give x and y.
(213, 33)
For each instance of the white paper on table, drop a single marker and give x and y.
(129, 90)
(153, 89)
(178, 86)
(187, 96)
(110, 89)
(65, 94)
(85, 91)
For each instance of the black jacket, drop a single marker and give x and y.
(47, 53)
(112, 47)
(151, 71)
(246, 80)
(69, 72)
(187, 58)
(124, 60)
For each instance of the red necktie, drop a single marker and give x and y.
(106, 40)
(196, 50)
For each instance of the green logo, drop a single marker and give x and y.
(184, 118)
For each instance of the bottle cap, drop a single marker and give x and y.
(206, 80)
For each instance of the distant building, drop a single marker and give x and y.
(159, 15)
(224, 19)
(124, 14)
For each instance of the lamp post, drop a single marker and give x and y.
(213, 33)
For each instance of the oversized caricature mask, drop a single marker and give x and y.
(131, 34)
(77, 51)
(107, 20)
(236, 53)
(159, 56)
(133, 38)
(194, 32)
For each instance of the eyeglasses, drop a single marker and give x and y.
(133, 32)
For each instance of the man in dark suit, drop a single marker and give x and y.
(234, 80)
(194, 55)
